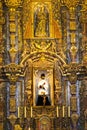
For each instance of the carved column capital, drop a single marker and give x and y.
(70, 4)
(12, 71)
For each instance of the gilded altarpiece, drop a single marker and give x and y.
(42, 38)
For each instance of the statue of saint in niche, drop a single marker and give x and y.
(41, 22)
(43, 92)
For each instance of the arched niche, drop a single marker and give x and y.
(39, 63)
(47, 68)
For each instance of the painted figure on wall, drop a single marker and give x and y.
(43, 92)
(41, 22)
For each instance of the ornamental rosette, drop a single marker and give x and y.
(13, 3)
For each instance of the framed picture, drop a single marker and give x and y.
(43, 86)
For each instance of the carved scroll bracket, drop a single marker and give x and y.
(12, 72)
(74, 71)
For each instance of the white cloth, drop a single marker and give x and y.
(43, 87)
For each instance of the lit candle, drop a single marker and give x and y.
(57, 111)
(31, 111)
(63, 111)
(18, 112)
(68, 111)
(25, 111)
(29, 128)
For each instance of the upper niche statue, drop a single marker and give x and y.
(41, 22)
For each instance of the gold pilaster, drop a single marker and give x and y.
(13, 7)
(73, 49)
(13, 25)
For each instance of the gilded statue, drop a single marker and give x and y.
(41, 22)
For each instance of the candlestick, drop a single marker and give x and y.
(68, 111)
(18, 112)
(63, 111)
(31, 111)
(25, 111)
(57, 109)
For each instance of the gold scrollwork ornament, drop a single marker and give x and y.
(13, 3)
(12, 104)
(72, 78)
(12, 77)
(12, 90)
(12, 118)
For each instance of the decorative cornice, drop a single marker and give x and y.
(75, 68)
